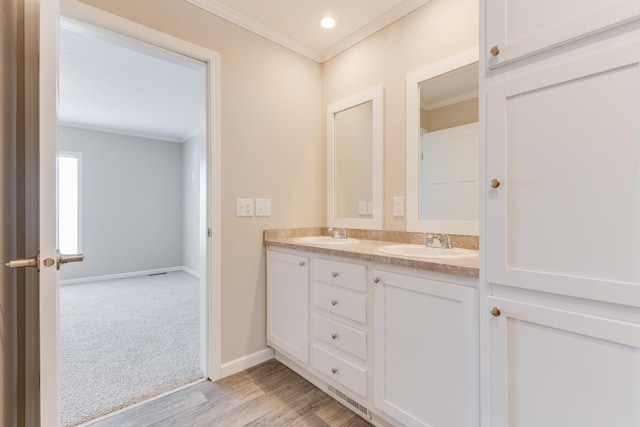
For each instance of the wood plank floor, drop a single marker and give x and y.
(269, 394)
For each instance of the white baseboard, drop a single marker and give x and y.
(191, 272)
(245, 362)
(126, 275)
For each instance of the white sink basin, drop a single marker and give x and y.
(421, 251)
(323, 240)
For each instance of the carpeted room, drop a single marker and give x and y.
(130, 314)
(129, 327)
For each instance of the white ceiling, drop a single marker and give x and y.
(296, 23)
(114, 84)
(111, 83)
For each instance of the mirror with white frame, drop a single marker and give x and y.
(442, 146)
(354, 161)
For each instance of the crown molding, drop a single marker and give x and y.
(256, 27)
(124, 132)
(449, 101)
(375, 26)
(319, 56)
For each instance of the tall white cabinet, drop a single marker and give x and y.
(560, 83)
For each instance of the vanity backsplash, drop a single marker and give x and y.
(458, 241)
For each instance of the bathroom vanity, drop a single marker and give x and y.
(394, 338)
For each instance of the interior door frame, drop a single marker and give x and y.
(46, 372)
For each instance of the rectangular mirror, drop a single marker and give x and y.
(354, 161)
(443, 146)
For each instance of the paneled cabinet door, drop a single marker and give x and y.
(288, 304)
(517, 28)
(563, 197)
(425, 357)
(550, 367)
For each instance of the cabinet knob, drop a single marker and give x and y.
(495, 311)
(376, 280)
(302, 263)
(334, 336)
(334, 302)
(334, 274)
(495, 183)
(334, 370)
(495, 50)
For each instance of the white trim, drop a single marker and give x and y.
(376, 96)
(118, 131)
(122, 275)
(88, 14)
(414, 223)
(450, 101)
(190, 271)
(393, 15)
(245, 362)
(256, 27)
(143, 402)
(275, 36)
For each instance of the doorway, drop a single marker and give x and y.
(133, 196)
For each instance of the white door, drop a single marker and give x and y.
(563, 149)
(43, 110)
(424, 335)
(554, 367)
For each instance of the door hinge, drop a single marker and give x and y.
(209, 233)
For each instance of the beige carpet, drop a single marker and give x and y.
(126, 340)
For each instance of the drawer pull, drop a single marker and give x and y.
(334, 370)
(334, 274)
(495, 311)
(495, 50)
(334, 302)
(334, 336)
(376, 280)
(302, 263)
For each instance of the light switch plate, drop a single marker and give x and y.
(244, 207)
(362, 208)
(263, 207)
(398, 206)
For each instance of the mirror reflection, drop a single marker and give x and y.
(449, 166)
(442, 146)
(353, 134)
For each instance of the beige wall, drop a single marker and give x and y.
(273, 105)
(272, 146)
(453, 115)
(437, 30)
(8, 295)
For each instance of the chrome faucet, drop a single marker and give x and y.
(443, 241)
(338, 232)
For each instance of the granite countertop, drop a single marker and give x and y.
(367, 250)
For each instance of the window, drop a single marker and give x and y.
(69, 202)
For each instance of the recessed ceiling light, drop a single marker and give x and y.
(328, 22)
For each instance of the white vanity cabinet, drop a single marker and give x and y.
(552, 366)
(339, 324)
(288, 304)
(397, 345)
(425, 350)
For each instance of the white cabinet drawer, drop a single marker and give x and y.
(352, 276)
(344, 303)
(346, 373)
(340, 336)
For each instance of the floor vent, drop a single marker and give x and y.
(156, 274)
(350, 402)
